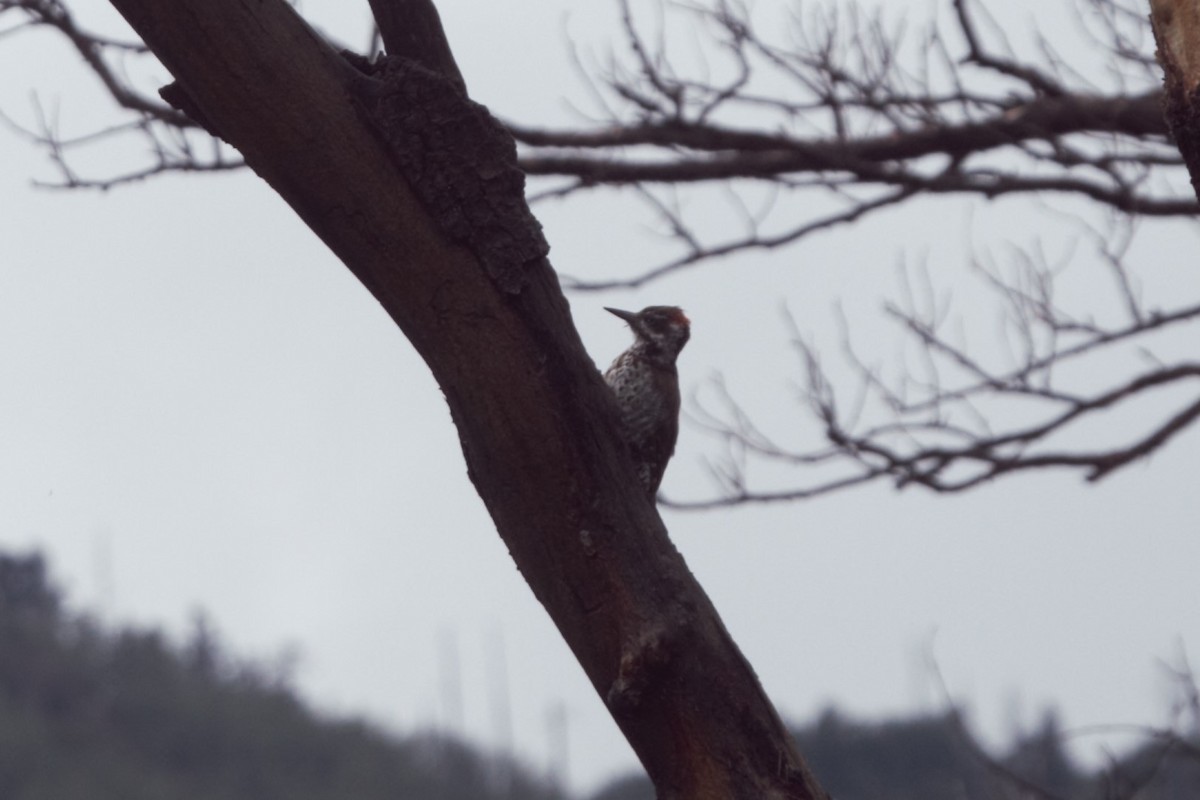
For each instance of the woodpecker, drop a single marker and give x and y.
(646, 385)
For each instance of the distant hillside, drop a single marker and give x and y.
(932, 758)
(88, 714)
(91, 714)
(929, 758)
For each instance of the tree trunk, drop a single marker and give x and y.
(1176, 25)
(368, 156)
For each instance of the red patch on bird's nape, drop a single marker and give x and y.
(679, 318)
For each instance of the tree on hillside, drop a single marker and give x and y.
(934, 757)
(417, 191)
(91, 713)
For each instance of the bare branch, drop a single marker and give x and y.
(839, 115)
(170, 138)
(1038, 81)
(958, 426)
(701, 253)
(93, 49)
(869, 107)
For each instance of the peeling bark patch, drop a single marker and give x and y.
(642, 663)
(1181, 95)
(1182, 112)
(461, 163)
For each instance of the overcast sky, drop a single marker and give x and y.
(201, 409)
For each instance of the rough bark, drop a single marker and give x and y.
(1176, 25)
(536, 424)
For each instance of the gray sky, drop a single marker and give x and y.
(201, 409)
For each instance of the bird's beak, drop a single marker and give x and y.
(628, 316)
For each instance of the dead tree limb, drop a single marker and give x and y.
(434, 236)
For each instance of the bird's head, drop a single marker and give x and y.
(661, 330)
